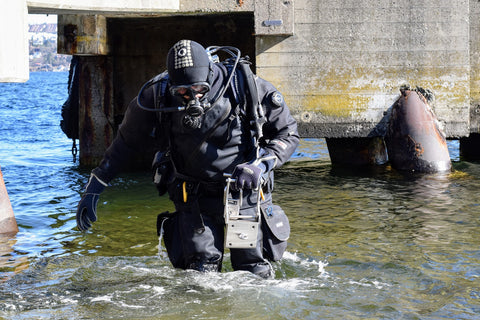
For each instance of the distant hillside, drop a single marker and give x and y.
(43, 49)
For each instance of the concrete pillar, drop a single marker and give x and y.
(357, 151)
(8, 224)
(14, 41)
(85, 36)
(82, 34)
(96, 115)
(474, 77)
(470, 147)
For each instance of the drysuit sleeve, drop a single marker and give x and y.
(136, 134)
(280, 133)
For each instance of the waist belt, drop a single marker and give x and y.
(196, 197)
(211, 188)
(191, 186)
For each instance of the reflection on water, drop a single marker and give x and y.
(10, 264)
(366, 242)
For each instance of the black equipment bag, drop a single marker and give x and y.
(276, 231)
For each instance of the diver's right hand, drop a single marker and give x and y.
(87, 211)
(87, 207)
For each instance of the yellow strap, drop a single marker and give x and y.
(184, 191)
(261, 194)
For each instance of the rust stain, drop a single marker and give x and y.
(107, 102)
(87, 133)
(417, 147)
(70, 34)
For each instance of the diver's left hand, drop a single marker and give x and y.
(247, 176)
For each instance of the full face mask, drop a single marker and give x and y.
(194, 101)
(190, 72)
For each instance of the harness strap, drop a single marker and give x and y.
(255, 110)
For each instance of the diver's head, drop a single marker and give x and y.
(189, 70)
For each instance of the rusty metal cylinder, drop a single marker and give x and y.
(415, 141)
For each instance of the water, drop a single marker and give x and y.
(368, 244)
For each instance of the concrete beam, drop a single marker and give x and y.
(214, 6)
(14, 41)
(274, 17)
(101, 6)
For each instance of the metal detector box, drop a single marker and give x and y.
(241, 234)
(241, 230)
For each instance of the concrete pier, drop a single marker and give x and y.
(339, 64)
(8, 224)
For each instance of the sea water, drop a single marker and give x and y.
(365, 243)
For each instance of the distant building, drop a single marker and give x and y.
(38, 33)
(43, 49)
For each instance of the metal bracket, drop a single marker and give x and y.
(274, 17)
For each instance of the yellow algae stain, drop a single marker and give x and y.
(459, 175)
(336, 105)
(338, 93)
(361, 92)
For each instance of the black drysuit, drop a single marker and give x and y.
(194, 236)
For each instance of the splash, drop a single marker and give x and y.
(307, 263)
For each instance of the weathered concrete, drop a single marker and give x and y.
(101, 6)
(273, 17)
(346, 61)
(96, 116)
(14, 41)
(82, 35)
(8, 224)
(475, 67)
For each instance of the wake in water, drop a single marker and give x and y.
(135, 286)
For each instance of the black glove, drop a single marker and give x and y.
(87, 207)
(247, 176)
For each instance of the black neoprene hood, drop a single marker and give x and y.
(188, 63)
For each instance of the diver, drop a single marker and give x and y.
(211, 122)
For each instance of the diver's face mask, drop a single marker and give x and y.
(191, 90)
(194, 99)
